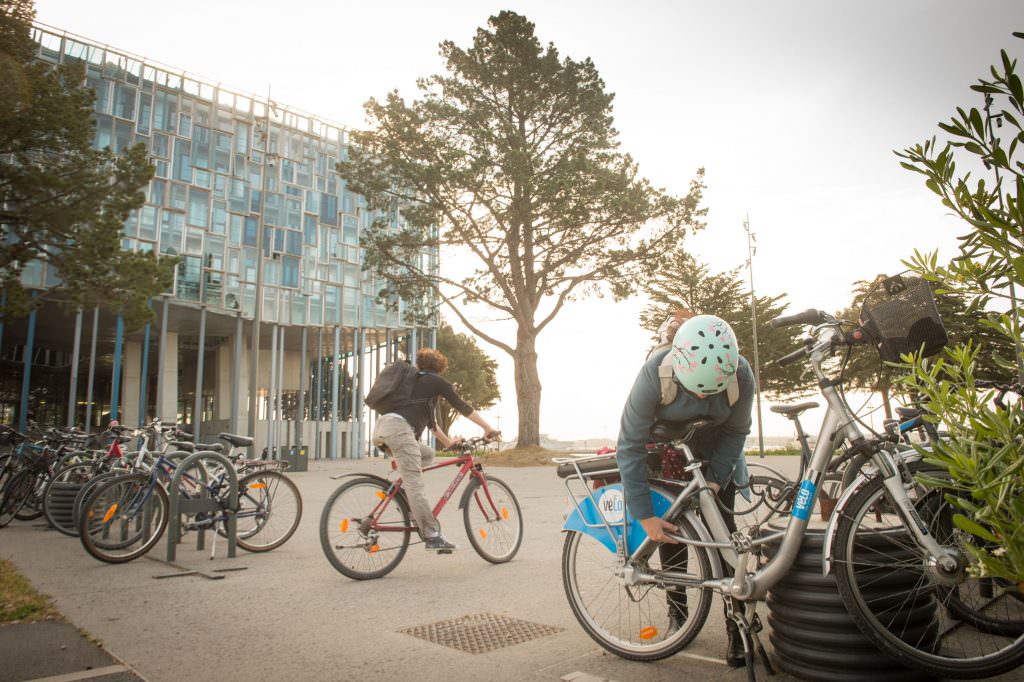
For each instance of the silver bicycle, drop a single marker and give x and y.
(896, 556)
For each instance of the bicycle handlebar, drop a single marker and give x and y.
(809, 316)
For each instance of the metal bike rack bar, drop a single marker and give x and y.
(201, 504)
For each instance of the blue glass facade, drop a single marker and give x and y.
(222, 160)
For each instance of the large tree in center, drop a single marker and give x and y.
(511, 165)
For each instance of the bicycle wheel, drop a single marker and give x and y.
(83, 494)
(900, 598)
(15, 494)
(32, 509)
(633, 622)
(494, 522)
(59, 496)
(270, 509)
(360, 540)
(123, 518)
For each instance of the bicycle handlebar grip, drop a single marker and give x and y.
(791, 358)
(809, 316)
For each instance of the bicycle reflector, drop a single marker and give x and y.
(380, 494)
(110, 512)
(344, 525)
(648, 632)
(483, 533)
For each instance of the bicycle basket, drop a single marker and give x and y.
(901, 316)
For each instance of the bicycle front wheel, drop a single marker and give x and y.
(899, 596)
(59, 495)
(123, 518)
(270, 509)
(639, 622)
(362, 537)
(15, 495)
(494, 522)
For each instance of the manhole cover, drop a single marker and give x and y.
(480, 632)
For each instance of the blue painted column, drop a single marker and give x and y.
(73, 383)
(26, 376)
(92, 370)
(143, 388)
(115, 390)
(335, 372)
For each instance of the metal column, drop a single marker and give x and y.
(236, 374)
(75, 356)
(279, 421)
(26, 376)
(115, 388)
(197, 409)
(333, 450)
(144, 383)
(300, 413)
(271, 392)
(92, 371)
(161, 349)
(318, 391)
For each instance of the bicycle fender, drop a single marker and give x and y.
(844, 500)
(473, 485)
(611, 507)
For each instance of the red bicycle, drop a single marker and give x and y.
(365, 528)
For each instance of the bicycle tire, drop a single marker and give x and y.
(496, 533)
(119, 503)
(268, 496)
(884, 543)
(82, 495)
(32, 509)
(14, 495)
(598, 601)
(355, 551)
(59, 496)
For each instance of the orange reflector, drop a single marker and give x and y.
(257, 485)
(504, 513)
(648, 632)
(380, 494)
(375, 548)
(483, 533)
(344, 525)
(110, 512)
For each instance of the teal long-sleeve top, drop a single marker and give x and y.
(721, 442)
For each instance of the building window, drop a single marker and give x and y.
(198, 207)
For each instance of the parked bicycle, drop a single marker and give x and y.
(365, 527)
(898, 560)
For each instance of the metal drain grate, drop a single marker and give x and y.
(479, 633)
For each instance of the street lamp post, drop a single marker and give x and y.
(751, 250)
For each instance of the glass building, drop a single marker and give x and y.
(245, 193)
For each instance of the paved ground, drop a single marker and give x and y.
(290, 615)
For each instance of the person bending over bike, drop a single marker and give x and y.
(707, 370)
(400, 431)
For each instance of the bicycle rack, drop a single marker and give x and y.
(204, 503)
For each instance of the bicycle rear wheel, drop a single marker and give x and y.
(901, 599)
(15, 495)
(633, 622)
(494, 522)
(357, 543)
(123, 518)
(59, 496)
(270, 509)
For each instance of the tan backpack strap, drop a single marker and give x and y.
(732, 392)
(669, 390)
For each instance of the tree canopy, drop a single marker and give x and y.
(61, 200)
(510, 163)
(470, 370)
(686, 284)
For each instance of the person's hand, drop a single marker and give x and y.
(714, 487)
(655, 527)
(492, 435)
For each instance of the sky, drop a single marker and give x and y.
(792, 107)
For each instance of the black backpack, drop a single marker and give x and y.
(393, 388)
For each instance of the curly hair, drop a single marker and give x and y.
(431, 360)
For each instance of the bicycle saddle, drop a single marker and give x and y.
(908, 413)
(235, 440)
(665, 431)
(793, 410)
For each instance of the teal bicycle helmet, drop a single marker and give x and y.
(705, 355)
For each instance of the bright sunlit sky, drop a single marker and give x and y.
(793, 108)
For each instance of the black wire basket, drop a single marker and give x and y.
(901, 316)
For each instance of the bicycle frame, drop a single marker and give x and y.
(466, 465)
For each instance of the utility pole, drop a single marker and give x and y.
(751, 250)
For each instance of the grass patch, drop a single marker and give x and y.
(774, 453)
(522, 457)
(19, 601)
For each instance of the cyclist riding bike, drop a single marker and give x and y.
(399, 431)
(713, 381)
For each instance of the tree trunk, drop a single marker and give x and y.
(527, 390)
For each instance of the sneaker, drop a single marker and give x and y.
(438, 544)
